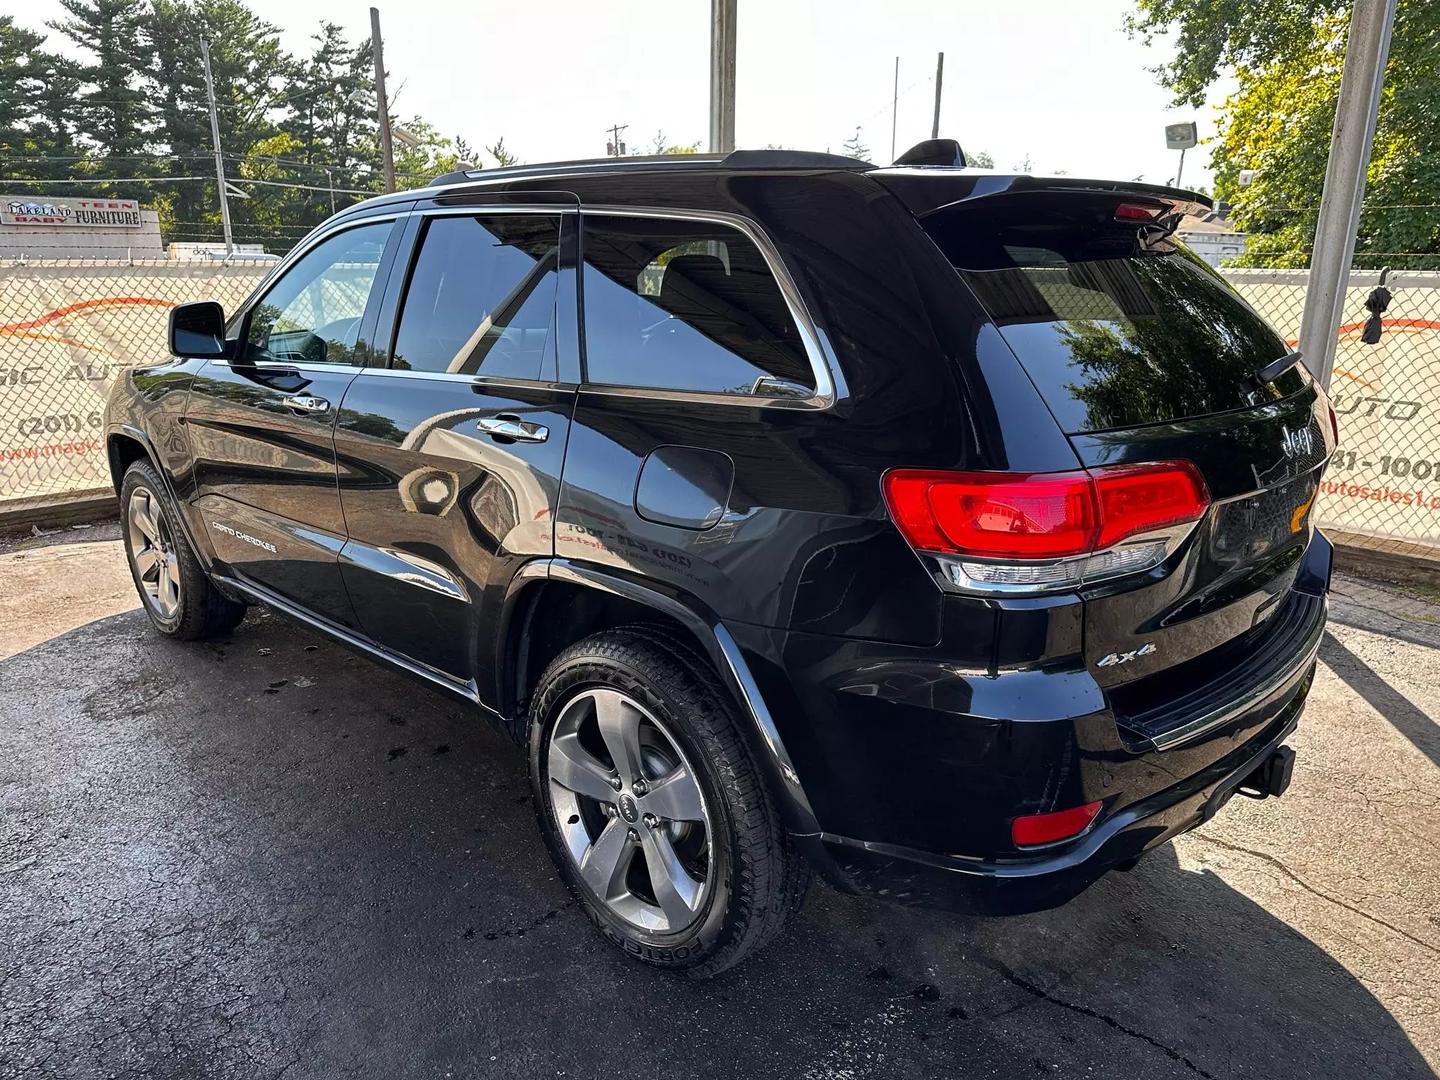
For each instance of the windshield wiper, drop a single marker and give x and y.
(1273, 370)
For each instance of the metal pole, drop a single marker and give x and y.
(1339, 219)
(1179, 172)
(722, 76)
(330, 179)
(215, 138)
(939, 78)
(382, 105)
(894, 108)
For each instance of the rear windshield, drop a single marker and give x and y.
(1117, 324)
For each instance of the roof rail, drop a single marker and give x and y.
(559, 166)
(736, 159)
(790, 159)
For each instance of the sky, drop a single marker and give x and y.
(1057, 81)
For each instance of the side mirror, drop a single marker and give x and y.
(198, 330)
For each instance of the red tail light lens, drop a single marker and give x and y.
(1040, 515)
(1034, 829)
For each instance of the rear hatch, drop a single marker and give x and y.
(1143, 353)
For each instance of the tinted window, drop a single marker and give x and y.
(1117, 325)
(686, 306)
(481, 297)
(312, 313)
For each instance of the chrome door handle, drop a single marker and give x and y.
(513, 428)
(306, 403)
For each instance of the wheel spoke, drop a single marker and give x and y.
(148, 562)
(677, 892)
(575, 768)
(171, 584)
(606, 860)
(142, 514)
(620, 728)
(675, 797)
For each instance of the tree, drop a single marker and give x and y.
(1287, 57)
(501, 153)
(661, 145)
(114, 113)
(979, 159)
(855, 146)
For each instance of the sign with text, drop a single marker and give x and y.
(94, 213)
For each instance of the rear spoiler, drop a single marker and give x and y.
(928, 190)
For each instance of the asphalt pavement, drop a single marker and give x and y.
(266, 857)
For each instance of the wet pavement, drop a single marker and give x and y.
(267, 857)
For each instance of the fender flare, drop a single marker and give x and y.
(718, 644)
(130, 431)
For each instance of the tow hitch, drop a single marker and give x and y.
(1271, 776)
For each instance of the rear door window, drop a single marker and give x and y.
(481, 298)
(686, 305)
(1116, 323)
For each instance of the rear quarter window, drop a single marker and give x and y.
(1116, 326)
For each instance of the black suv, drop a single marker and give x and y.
(941, 531)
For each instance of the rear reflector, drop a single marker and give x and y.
(1034, 829)
(1041, 515)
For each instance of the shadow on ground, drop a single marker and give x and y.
(267, 857)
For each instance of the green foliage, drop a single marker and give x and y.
(134, 106)
(661, 145)
(1287, 56)
(980, 159)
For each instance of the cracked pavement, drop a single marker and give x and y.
(270, 858)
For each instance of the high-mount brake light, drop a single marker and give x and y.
(1136, 212)
(1041, 531)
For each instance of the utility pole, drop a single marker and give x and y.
(939, 78)
(382, 104)
(219, 159)
(722, 76)
(894, 108)
(615, 148)
(1360, 84)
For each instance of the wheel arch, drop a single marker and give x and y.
(592, 599)
(123, 447)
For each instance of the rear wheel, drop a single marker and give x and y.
(652, 807)
(177, 596)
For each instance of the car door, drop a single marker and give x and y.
(261, 425)
(450, 456)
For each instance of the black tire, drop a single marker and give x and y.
(757, 880)
(202, 612)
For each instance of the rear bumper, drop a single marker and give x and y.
(916, 760)
(1016, 886)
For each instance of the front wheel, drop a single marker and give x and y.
(177, 596)
(652, 807)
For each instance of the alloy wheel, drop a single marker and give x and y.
(152, 553)
(630, 811)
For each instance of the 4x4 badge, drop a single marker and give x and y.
(1111, 659)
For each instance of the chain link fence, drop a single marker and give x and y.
(1383, 488)
(67, 328)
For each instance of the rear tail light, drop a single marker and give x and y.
(1037, 531)
(1035, 829)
